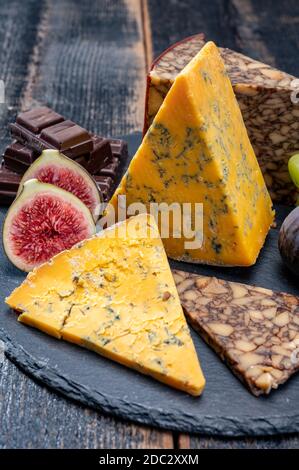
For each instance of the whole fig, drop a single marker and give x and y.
(288, 241)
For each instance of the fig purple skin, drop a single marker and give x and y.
(288, 241)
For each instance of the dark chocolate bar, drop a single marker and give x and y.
(65, 136)
(119, 147)
(106, 179)
(42, 128)
(18, 157)
(101, 146)
(68, 135)
(9, 184)
(14, 164)
(37, 119)
(111, 168)
(106, 185)
(21, 152)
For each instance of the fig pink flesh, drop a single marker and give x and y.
(45, 226)
(69, 181)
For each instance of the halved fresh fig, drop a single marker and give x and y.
(55, 168)
(43, 221)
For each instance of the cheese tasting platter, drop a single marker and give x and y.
(170, 257)
(225, 407)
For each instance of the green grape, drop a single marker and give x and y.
(294, 169)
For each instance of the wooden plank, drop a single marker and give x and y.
(31, 416)
(266, 30)
(147, 34)
(86, 60)
(90, 65)
(178, 19)
(280, 442)
(18, 32)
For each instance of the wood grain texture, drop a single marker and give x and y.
(173, 20)
(18, 32)
(89, 64)
(267, 30)
(31, 416)
(147, 34)
(196, 442)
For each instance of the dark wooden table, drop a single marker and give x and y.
(88, 60)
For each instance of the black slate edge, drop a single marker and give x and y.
(222, 426)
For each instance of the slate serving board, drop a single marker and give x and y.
(226, 407)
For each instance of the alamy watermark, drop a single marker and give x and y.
(175, 220)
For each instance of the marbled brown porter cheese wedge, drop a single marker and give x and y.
(254, 330)
(268, 99)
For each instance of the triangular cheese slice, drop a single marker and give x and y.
(115, 294)
(197, 151)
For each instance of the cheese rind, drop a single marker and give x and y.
(197, 151)
(115, 294)
(264, 95)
